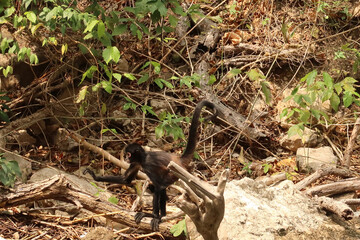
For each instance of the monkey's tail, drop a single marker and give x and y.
(193, 134)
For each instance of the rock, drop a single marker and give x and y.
(315, 158)
(99, 233)
(310, 138)
(254, 211)
(24, 165)
(22, 138)
(64, 141)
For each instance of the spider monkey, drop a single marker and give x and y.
(154, 164)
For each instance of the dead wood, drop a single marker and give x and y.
(22, 123)
(321, 173)
(105, 154)
(231, 117)
(347, 185)
(203, 203)
(337, 207)
(272, 179)
(351, 201)
(60, 188)
(347, 156)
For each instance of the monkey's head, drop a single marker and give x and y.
(135, 153)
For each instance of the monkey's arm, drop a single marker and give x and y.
(129, 175)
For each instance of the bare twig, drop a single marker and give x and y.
(347, 156)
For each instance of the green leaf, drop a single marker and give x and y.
(159, 131)
(31, 16)
(101, 29)
(167, 84)
(265, 89)
(178, 228)
(255, 74)
(106, 54)
(348, 98)
(117, 76)
(296, 130)
(334, 102)
(4, 117)
(107, 86)
(212, 80)
(82, 94)
(34, 59)
(233, 72)
(113, 200)
(130, 76)
(119, 29)
(328, 80)
(103, 108)
(159, 83)
(309, 78)
(143, 79)
(91, 25)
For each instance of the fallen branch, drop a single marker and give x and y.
(337, 207)
(203, 203)
(58, 187)
(348, 185)
(351, 201)
(347, 156)
(105, 154)
(321, 173)
(272, 179)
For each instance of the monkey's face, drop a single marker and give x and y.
(134, 153)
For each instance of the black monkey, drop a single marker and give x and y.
(154, 164)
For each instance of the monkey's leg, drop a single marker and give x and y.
(155, 215)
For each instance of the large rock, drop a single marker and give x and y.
(312, 159)
(254, 211)
(309, 138)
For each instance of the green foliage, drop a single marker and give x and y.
(247, 168)
(169, 126)
(267, 167)
(179, 228)
(256, 76)
(8, 171)
(315, 93)
(113, 200)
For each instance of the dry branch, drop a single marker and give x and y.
(58, 187)
(234, 118)
(22, 123)
(348, 185)
(105, 154)
(347, 156)
(321, 173)
(337, 207)
(203, 203)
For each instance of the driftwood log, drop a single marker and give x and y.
(60, 188)
(348, 185)
(337, 207)
(203, 203)
(345, 173)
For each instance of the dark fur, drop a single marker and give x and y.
(154, 164)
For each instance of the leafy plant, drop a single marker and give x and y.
(317, 92)
(179, 228)
(8, 171)
(267, 167)
(169, 126)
